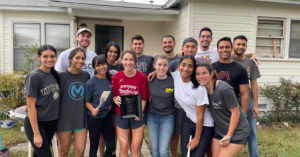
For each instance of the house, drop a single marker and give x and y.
(272, 27)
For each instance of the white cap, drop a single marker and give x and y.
(83, 30)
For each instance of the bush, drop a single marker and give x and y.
(12, 90)
(284, 98)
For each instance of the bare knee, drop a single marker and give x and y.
(124, 147)
(78, 151)
(63, 152)
(135, 147)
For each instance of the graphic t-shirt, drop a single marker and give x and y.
(123, 85)
(44, 87)
(145, 64)
(221, 101)
(72, 113)
(62, 62)
(210, 56)
(232, 73)
(93, 91)
(114, 69)
(252, 70)
(189, 98)
(162, 96)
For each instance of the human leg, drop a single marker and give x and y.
(64, 142)
(252, 138)
(79, 142)
(95, 128)
(177, 131)
(153, 130)
(165, 133)
(122, 135)
(108, 133)
(137, 139)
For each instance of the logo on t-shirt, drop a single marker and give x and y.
(224, 75)
(217, 105)
(128, 90)
(204, 59)
(169, 90)
(76, 90)
(55, 95)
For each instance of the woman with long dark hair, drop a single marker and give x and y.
(42, 91)
(72, 114)
(231, 125)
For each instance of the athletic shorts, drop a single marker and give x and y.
(242, 142)
(76, 130)
(177, 121)
(128, 123)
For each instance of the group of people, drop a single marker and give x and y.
(201, 95)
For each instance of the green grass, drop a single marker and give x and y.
(273, 141)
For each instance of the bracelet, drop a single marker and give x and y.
(37, 135)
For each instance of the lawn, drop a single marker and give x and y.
(273, 141)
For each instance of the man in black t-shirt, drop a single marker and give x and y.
(232, 72)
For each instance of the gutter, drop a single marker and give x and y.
(280, 1)
(114, 8)
(31, 8)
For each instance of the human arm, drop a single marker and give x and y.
(32, 114)
(151, 76)
(199, 125)
(234, 119)
(90, 107)
(254, 57)
(244, 97)
(254, 90)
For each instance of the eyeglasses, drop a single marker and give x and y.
(207, 36)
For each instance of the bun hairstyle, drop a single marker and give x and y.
(74, 52)
(40, 52)
(101, 59)
(163, 57)
(209, 67)
(131, 52)
(193, 77)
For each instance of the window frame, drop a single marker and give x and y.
(288, 37)
(51, 23)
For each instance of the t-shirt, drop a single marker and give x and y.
(62, 62)
(210, 56)
(221, 101)
(145, 64)
(123, 85)
(174, 58)
(189, 98)
(114, 69)
(44, 87)
(232, 73)
(174, 65)
(162, 96)
(93, 91)
(72, 113)
(252, 70)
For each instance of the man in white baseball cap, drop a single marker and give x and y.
(83, 37)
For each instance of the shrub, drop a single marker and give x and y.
(284, 97)
(12, 90)
(31, 62)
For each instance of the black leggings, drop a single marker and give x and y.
(47, 130)
(98, 126)
(189, 128)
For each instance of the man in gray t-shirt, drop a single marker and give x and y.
(240, 46)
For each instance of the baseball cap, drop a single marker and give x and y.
(83, 30)
(189, 39)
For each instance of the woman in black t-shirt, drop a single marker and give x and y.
(42, 91)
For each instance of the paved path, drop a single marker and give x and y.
(145, 150)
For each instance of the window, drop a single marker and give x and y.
(270, 38)
(294, 48)
(58, 35)
(25, 36)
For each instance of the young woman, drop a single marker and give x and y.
(42, 90)
(197, 121)
(72, 114)
(112, 54)
(129, 82)
(99, 120)
(161, 111)
(230, 121)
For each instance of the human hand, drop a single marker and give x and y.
(95, 111)
(193, 143)
(225, 143)
(38, 140)
(255, 111)
(117, 100)
(151, 76)
(255, 59)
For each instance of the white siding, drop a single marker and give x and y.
(232, 18)
(18, 16)
(179, 27)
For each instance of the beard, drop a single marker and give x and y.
(236, 52)
(168, 52)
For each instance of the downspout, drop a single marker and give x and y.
(71, 22)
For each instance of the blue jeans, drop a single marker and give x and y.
(160, 130)
(252, 138)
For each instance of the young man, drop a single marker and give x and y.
(167, 44)
(145, 62)
(232, 72)
(207, 54)
(239, 48)
(83, 37)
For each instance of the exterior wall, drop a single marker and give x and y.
(1, 40)
(7, 56)
(179, 27)
(232, 18)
